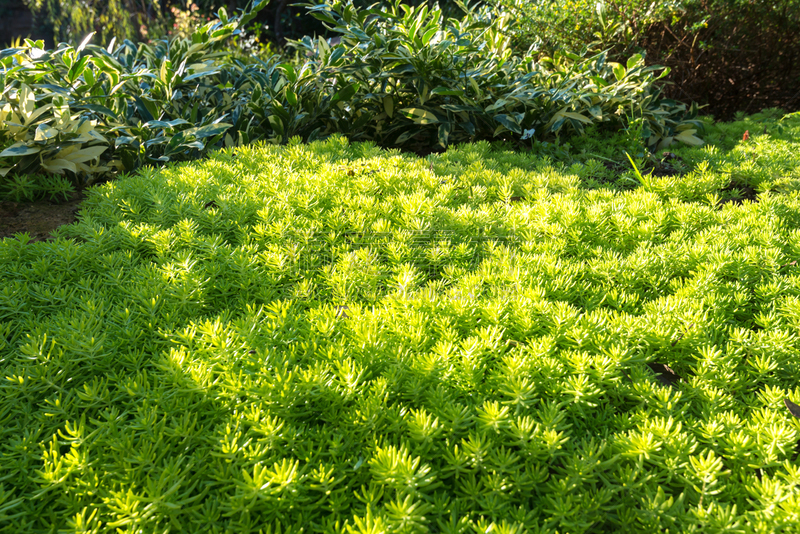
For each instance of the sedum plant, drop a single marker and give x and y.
(333, 337)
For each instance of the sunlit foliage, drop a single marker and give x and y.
(337, 338)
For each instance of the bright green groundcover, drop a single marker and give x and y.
(337, 338)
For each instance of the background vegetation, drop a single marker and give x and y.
(731, 55)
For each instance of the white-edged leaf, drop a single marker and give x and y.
(44, 132)
(19, 149)
(58, 166)
(577, 117)
(619, 71)
(85, 42)
(85, 154)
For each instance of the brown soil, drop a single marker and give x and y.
(38, 219)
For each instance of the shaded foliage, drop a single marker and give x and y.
(731, 55)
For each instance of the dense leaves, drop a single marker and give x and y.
(169, 101)
(337, 338)
(729, 55)
(424, 80)
(402, 77)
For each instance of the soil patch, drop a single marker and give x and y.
(738, 193)
(38, 219)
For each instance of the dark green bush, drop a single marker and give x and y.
(424, 81)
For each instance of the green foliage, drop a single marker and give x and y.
(615, 25)
(71, 20)
(337, 338)
(731, 55)
(422, 81)
(84, 111)
(400, 77)
(50, 138)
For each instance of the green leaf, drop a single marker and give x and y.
(444, 133)
(291, 97)
(165, 124)
(9, 52)
(250, 14)
(288, 70)
(126, 141)
(596, 112)
(686, 137)
(85, 42)
(86, 154)
(97, 109)
(419, 115)
(19, 149)
(345, 94)
(509, 122)
(577, 117)
(405, 136)
(207, 131)
(428, 35)
(469, 127)
(634, 60)
(277, 124)
(444, 91)
(44, 132)
(619, 71)
(388, 105)
(58, 166)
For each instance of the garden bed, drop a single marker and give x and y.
(337, 338)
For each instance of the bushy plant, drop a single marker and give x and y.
(125, 105)
(418, 80)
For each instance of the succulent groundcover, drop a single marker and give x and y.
(339, 338)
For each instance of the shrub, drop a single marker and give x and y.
(425, 81)
(84, 110)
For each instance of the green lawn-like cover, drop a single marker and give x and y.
(338, 338)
